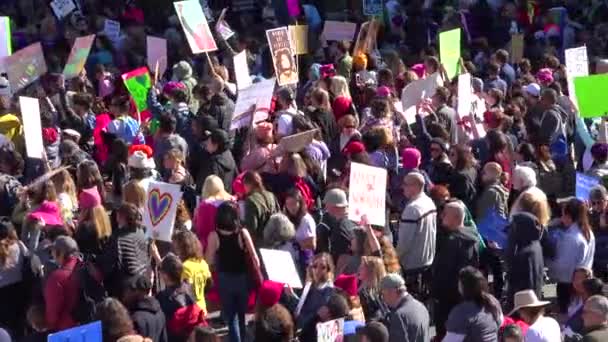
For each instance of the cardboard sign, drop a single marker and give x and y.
(577, 64)
(366, 39)
(62, 8)
(296, 142)
(78, 56)
(157, 54)
(590, 92)
(332, 331)
(339, 31)
(258, 95)
(111, 29)
(285, 67)
(138, 83)
(241, 70)
(449, 51)
(224, 30)
(32, 128)
(160, 208)
(299, 38)
(6, 48)
(280, 267)
(195, 26)
(367, 194)
(517, 48)
(372, 7)
(25, 66)
(584, 184)
(89, 332)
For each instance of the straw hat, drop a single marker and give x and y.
(527, 299)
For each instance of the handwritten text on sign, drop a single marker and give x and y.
(367, 195)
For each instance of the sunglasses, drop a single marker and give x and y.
(319, 266)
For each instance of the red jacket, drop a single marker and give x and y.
(61, 296)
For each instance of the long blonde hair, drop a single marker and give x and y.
(339, 87)
(536, 206)
(329, 266)
(213, 189)
(134, 193)
(98, 216)
(64, 183)
(375, 270)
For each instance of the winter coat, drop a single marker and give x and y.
(524, 255)
(181, 311)
(221, 108)
(326, 122)
(259, 206)
(417, 233)
(149, 319)
(494, 196)
(61, 291)
(462, 185)
(221, 164)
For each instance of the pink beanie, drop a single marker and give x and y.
(419, 69)
(411, 158)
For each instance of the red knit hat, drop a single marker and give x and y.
(353, 147)
(341, 107)
(348, 283)
(270, 293)
(147, 150)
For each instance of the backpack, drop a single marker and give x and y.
(90, 292)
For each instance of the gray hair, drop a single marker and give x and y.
(458, 208)
(524, 177)
(278, 230)
(599, 305)
(416, 177)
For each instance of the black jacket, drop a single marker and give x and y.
(334, 235)
(455, 251)
(149, 319)
(524, 255)
(326, 122)
(221, 108)
(221, 164)
(126, 254)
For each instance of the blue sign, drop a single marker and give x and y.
(372, 7)
(584, 184)
(85, 333)
(492, 228)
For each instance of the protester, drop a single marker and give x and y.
(532, 311)
(145, 311)
(595, 315)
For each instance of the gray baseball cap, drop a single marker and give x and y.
(336, 197)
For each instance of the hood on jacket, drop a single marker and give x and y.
(147, 304)
(182, 71)
(526, 227)
(468, 234)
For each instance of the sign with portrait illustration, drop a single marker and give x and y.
(160, 209)
(196, 28)
(25, 66)
(78, 56)
(285, 66)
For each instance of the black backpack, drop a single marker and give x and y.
(90, 292)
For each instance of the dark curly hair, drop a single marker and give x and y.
(115, 319)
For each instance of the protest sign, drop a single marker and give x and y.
(78, 56)
(465, 102)
(157, 54)
(416, 91)
(224, 30)
(111, 29)
(449, 51)
(32, 128)
(577, 65)
(584, 184)
(195, 26)
(299, 38)
(517, 48)
(590, 92)
(366, 39)
(62, 8)
(492, 228)
(367, 193)
(258, 95)
(160, 208)
(296, 142)
(285, 67)
(5, 37)
(339, 31)
(332, 331)
(25, 66)
(89, 332)
(372, 7)
(280, 267)
(138, 83)
(241, 70)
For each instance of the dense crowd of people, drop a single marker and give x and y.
(480, 214)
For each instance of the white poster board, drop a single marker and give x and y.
(416, 91)
(259, 95)
(367, 194)
(577, 64)
(157, 54)
(241, 70)
(32, 129)
(331, 331)
(465, 102)
(62, 8)
(160, 209)
(280, 267)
